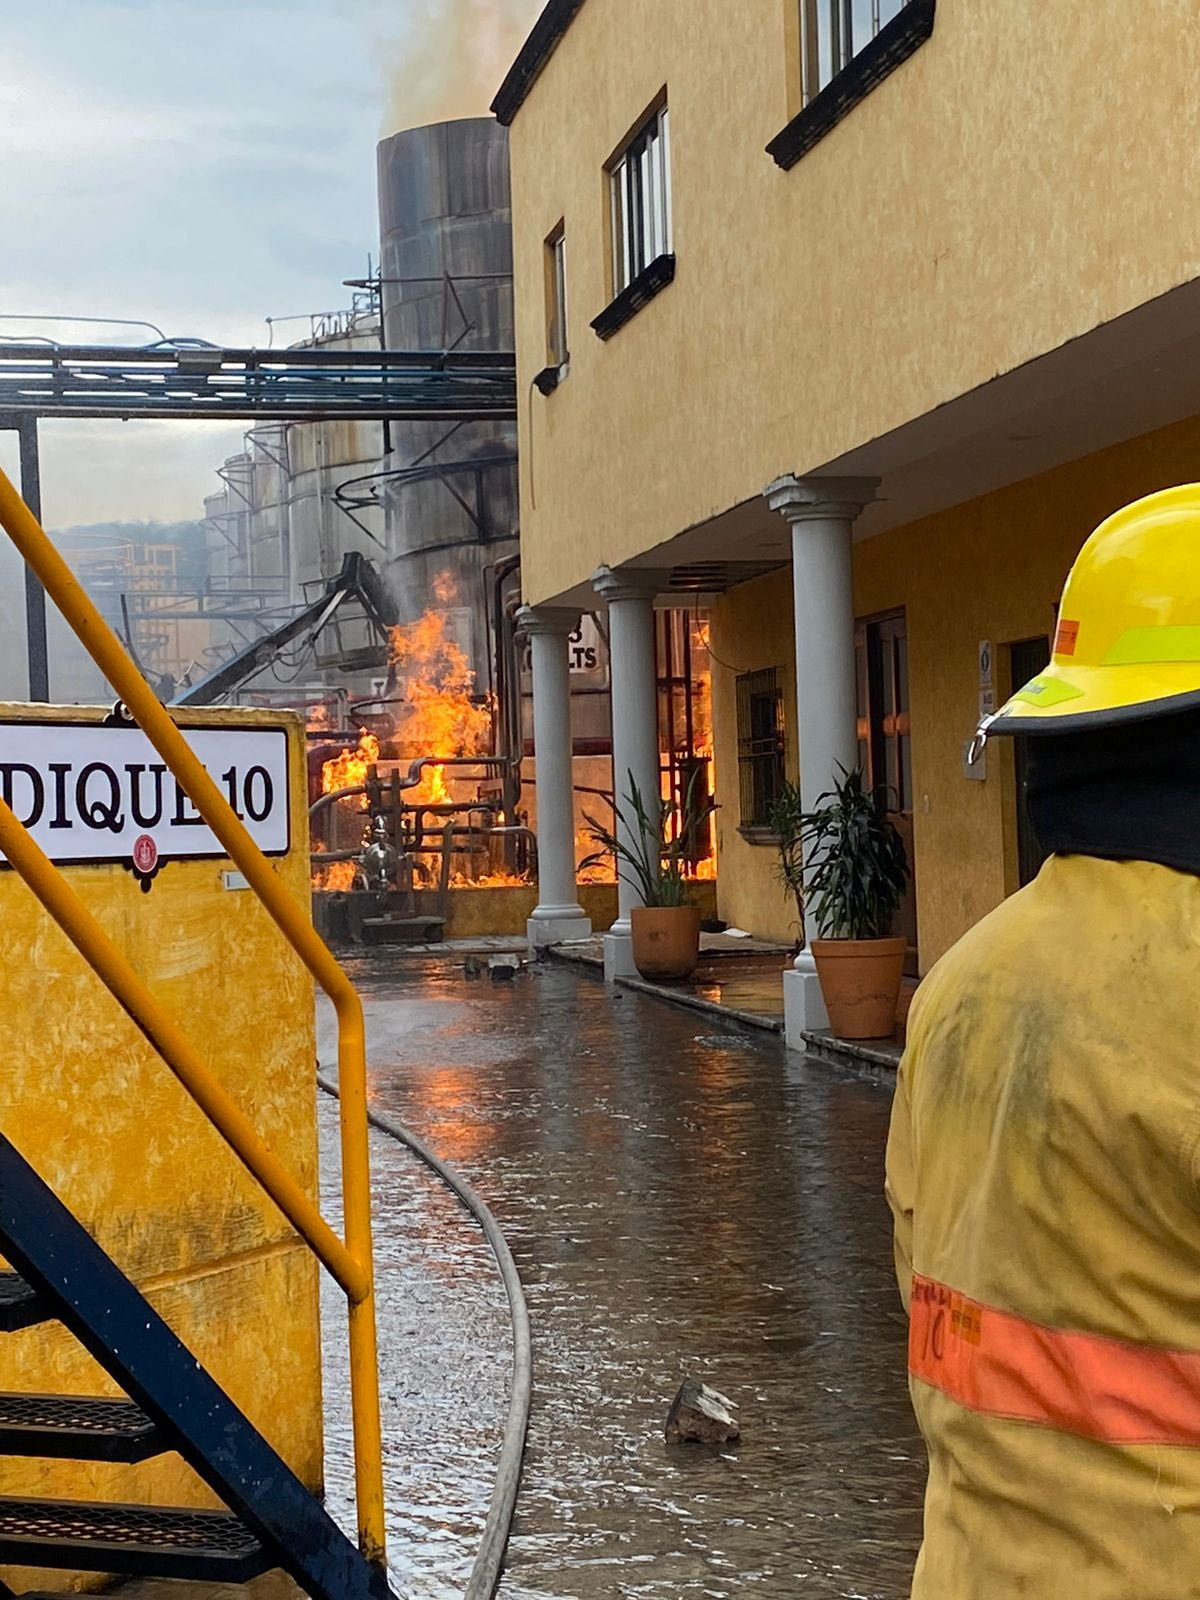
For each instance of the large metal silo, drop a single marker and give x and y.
(446, 279)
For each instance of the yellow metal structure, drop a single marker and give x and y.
(351, 1262)
(1128, 639)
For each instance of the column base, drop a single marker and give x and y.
(557, 925)
(803, 1003)
(618, 956)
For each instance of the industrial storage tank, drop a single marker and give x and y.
(450, 491)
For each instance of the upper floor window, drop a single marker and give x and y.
(558, 350)
(640, 182)
(843, 50)
(833, 32)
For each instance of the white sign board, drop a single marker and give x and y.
(92, 792)
(585, 648)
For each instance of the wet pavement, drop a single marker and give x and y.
(682, 1199)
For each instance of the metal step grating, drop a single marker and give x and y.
(145, 1541)
(76, 1428)
(20, 1306)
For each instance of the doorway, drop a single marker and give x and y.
(1027, 657)
(885, 742)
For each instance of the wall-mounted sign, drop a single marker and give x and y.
(585, 648)
(97, 792)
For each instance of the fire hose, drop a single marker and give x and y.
(489, 1561)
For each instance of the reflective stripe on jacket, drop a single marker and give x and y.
(1043, 1173)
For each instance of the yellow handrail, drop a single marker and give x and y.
(350, 1263)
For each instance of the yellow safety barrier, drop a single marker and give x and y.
(351, 1262)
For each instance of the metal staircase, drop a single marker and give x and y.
(271, 1520)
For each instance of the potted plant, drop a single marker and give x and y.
(651, 844)
(845, 861)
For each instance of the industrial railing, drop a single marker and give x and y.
(350, 1262)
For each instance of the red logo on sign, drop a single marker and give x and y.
(145, 853)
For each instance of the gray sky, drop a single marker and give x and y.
(205, 164)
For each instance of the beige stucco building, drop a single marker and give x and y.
(929, 267)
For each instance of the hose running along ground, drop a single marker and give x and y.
(489, 1562)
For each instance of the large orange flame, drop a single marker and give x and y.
(438, 716)
(337, 875)
(349, 769)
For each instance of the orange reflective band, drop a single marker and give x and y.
(991, 1361)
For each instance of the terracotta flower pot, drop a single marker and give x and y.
(860, 982)
(666, 940)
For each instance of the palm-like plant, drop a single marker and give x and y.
(651, 842)
(845, 860)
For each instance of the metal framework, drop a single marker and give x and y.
(350, 1262)
(198, 380)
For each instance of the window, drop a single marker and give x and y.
(842, 50)
(760, 729)
(640, 185)
(833, 32)
(558, 351)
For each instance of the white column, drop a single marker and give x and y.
(821, 512)
(558, 915)
(629, 595)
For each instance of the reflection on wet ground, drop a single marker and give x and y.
(680, 1200)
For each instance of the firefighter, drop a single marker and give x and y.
(1044, 1158)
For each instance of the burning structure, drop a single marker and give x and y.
(421, 763)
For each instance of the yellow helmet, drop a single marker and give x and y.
(1128, 640)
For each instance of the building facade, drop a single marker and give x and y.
(867, 313)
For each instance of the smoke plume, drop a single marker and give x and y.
(453, 58)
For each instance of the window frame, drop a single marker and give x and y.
(856, 72)
(760, 754)
(558, 343)
(641, 219)
(639, 184)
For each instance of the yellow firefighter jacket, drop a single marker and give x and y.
(1044, 1174)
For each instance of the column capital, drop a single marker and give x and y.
(554, 620)
(629, 583)
(809, 499)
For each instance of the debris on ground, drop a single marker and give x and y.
(702, 1415)
(504, 969)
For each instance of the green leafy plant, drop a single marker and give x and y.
(844, 861)
(785, 819)
(651, 842)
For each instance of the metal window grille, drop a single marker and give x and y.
(760, 727)
(640, 185)
(833, 32)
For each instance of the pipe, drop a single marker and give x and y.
(489, 1561)
(320, 804)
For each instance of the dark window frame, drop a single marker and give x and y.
(762, 748)
(864, 72)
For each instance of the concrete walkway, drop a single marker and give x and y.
(682, 1198)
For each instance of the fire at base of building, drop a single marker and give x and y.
(400, 539)
(438, 793)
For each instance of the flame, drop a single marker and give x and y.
(319, 717)
(337, 875)
(602, 871)
(350, 768)
(438, 716)
(489, 880)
